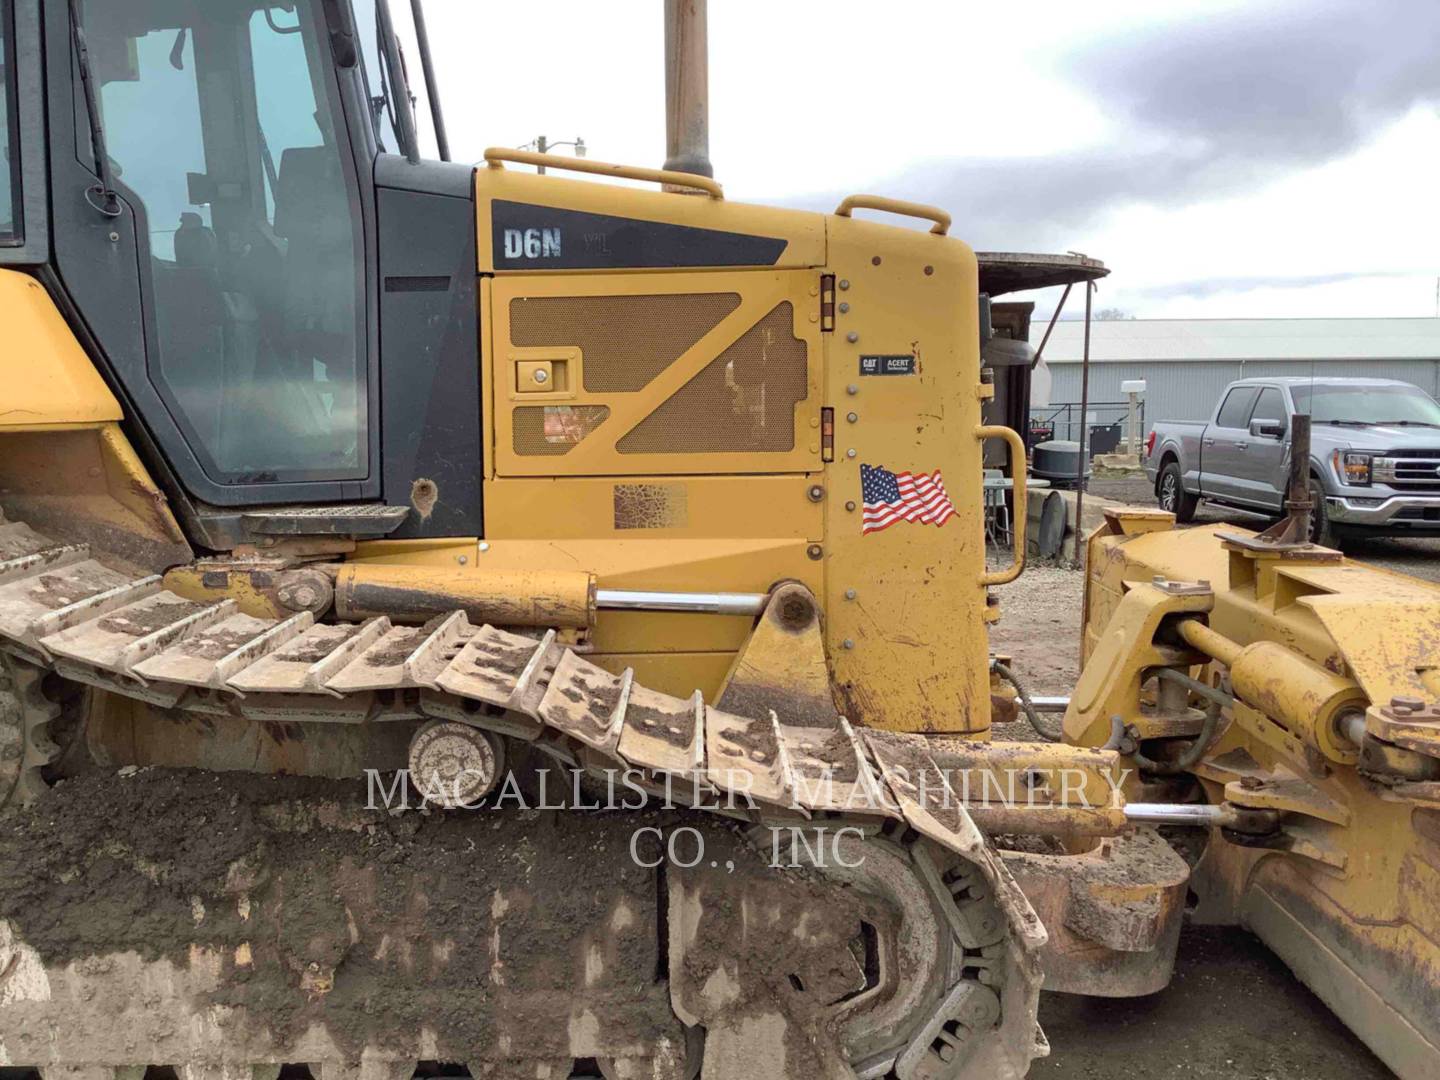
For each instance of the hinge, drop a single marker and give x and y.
(827, 303)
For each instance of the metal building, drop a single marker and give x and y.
(1186, 362)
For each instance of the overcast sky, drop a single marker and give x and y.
(1223, 157)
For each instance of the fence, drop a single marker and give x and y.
(1106, 425)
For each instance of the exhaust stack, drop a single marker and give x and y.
(687, 88)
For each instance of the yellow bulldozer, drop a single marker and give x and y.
(632, 539)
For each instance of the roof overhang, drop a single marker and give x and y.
(1014, 271)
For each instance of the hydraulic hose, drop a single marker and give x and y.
(1044, 730)
(1192, 753)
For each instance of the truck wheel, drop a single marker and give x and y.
(1172, 495)
(1322, 532)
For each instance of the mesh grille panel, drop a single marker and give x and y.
(554, 429)
(742, 401)
(626, 340)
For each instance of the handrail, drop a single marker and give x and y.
(495, 155)
(896, 206)
(1017, 532)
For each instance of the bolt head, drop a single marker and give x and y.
(847, 643)
(852, 336)
(815, 551)
(850, 594)
(541, 375)
(461, 559)
(844, 283)
(852, 417)
(850, 453)
(484, 545)
(816, 493)
(844, 307)
(852, 389)
(850, 506)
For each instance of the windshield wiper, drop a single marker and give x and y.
(1404, 423)
(108, 201)
(1347, 423)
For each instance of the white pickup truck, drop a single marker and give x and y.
(1374, 454)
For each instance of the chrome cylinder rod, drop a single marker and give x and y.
(1044, 703)
(1150, 813)
(705, 603)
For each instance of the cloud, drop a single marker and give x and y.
(1209, 107)
(1208, 287)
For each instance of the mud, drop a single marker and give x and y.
(489, 931)
(474, 927)
(149, 619)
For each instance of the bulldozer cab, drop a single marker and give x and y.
(224, 254)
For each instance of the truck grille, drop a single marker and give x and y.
(1409, 470)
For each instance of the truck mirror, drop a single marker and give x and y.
(1267, 429)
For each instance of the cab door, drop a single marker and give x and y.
(1225, 445)
(227, 287)
(1267, 467)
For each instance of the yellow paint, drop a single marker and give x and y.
(1346, 891)
(597, 454)
(804, 233)
(85, 482)
(917, 622)
(46, 376)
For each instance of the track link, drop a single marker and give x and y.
(63, 610)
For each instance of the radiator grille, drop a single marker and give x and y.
(625, 340)
(742, 401)
(554, 429)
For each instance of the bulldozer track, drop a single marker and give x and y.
(64, 610)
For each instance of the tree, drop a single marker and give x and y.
(1112, 314)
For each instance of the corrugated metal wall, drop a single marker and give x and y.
(1189, 389)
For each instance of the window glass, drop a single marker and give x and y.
(1270, 406)
(224, 141)
(1332, 404)
(367, 28)
(9, 136)
(1235, 413)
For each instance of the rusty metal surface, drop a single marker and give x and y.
(1114, 913)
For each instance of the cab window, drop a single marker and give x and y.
(1270, 406)
(10, 232)
(225, 142)
(1235, 413)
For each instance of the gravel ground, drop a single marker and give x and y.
(1417, 557)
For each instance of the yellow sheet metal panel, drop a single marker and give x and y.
(613, 374)
(802, 233)
(84, 483)
(904, 362)
(47, 377)
(650, 507)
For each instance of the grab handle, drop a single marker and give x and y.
(1017, 530)
(896, 206)
(498, 154)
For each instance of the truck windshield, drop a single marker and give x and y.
(1366, 405)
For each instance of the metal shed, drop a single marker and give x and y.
(1187, 362)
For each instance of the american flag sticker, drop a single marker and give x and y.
(891, 497)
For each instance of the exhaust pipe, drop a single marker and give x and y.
(687, 88)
